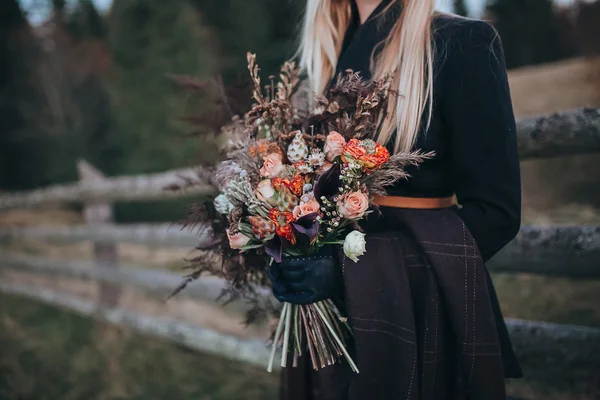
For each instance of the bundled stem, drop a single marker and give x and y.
(318, 324)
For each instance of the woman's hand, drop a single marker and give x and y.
(305, 280)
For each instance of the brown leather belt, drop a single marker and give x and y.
(415, 202)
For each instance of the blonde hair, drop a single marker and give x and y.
(407, 55)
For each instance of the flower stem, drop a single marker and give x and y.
(337, 339)
(276, 338)
(286, 335)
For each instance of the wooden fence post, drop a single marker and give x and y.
(105, 251)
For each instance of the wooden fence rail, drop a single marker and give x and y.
(566, 133)
(251, 351)
(543, 348)
(560, 134)
(160, 283)
(559, 250)
(123, 188)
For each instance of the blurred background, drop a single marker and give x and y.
(88, 112)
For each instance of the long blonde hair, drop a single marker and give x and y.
(407, 55)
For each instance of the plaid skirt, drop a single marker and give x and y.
(426, 321)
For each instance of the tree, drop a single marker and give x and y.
(528, 29)
(268, 28)
(12, 26)
(460, 8)
(149, 39)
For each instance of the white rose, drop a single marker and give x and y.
(222, 204)
(355, 245)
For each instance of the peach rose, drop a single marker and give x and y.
(353, 205)
(238, 240)
(272, 165)
(265, 192)
(334, 145)
(305, 208)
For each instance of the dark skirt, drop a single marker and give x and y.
(426, 322)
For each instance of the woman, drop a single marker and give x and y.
(424, 313)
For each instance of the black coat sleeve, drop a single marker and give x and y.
(477, 111)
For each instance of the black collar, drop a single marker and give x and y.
(361, 40)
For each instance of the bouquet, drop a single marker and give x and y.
(291, 183)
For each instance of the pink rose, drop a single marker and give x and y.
(272, 165)
(265, 192)
(334, 145)
(238, 240)
(353, 205)
(305, 208)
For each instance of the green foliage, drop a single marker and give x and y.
(528, 29)
(150, 39)
(268, 28)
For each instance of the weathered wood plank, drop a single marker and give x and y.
(550, 351)
(560, 250)
(161, 283)
(560, 134)
(146, 234)
(567, 251)
(253, 352)
(106, 252)
(123, 188)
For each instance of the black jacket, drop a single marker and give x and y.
(472, 130)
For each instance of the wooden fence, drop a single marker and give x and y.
(569, 251)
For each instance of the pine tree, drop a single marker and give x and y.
(12, 22)
(460, 8)
(528, 29)
(149, 39)
(268, 28)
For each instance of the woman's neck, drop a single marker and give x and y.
(366, 8)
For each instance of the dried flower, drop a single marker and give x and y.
(297, 150)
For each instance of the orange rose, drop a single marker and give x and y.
(334, 145)
(366, 153)
(272, 165)
(305, 208)
(353, 205)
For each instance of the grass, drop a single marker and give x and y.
(52, 354)
(550, 299)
